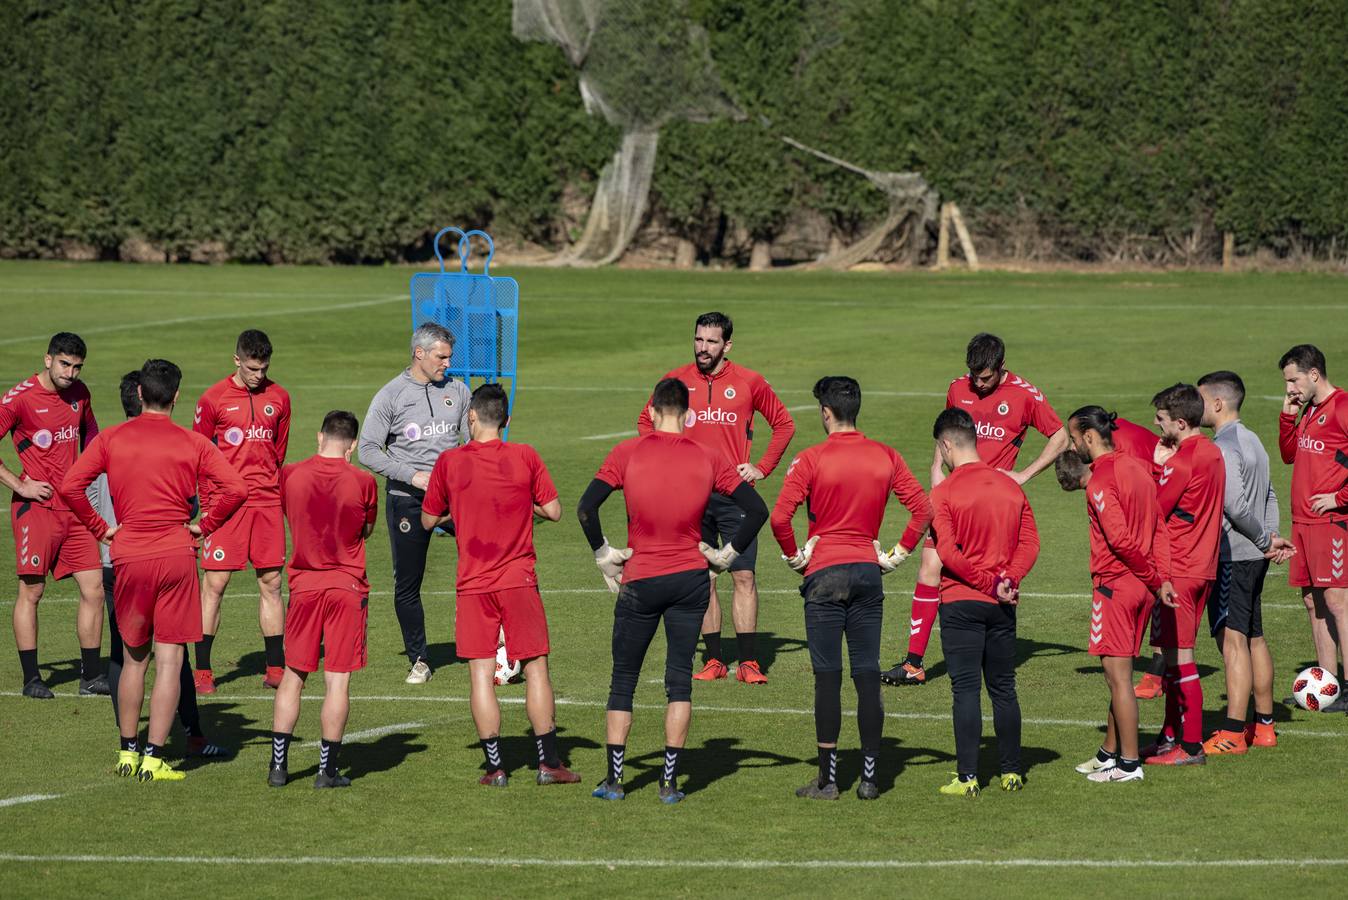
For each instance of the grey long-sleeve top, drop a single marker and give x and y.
(1250, 507)
(409, 424)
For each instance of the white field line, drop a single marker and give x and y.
(29, 798)
(187, 320)
(618, 863)
(697, 707)
(611, 434)
(354, 736)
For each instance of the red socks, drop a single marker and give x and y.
(1184, 704)
(926, 605)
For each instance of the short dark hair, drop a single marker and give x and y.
(985, 351)
(1095, 418)
(253, 344)
(1070, 469)
(491, 404)
(341, 425)
(1228, 382)
(670, 396)
(956, 426)
(716, 320)
(1182, 402)
(1306, 357)
(67, 343)
(159, 380)
(841, 395)
(130, 399)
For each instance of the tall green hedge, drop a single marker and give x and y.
(304, 132)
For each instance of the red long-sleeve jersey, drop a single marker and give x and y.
(252, 430)
(1128, 533)
(1317, 449)
(1135, 441)
(1002, 417)
(50, 428)
(983, 528)
(154, 468)
(1190, 488)
(721, 411)
(844, 483)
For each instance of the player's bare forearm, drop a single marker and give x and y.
(937, 469)
(1052, 450)
(551, 511)
(431, 522)
(9, 479)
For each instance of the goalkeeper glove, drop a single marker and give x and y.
(890, 561)
(801, 560)
(718, 560)
(610, 561)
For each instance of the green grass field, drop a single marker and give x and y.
(592, 344)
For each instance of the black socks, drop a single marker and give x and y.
(275, 648)
(616, 752)
(327, 757)
(28, 662)
(204, 651)
(547, 749)
(712, 640)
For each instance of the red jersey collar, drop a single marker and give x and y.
(242, 389)
(845, 434)
(717, 376)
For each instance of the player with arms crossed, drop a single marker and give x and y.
(154, 469)
(987, 540)
(246, 415)
(52, 421)
(331, 506)
(1313, 439)
(1003, 406)
(1130, 566)
(1190, 488)
(491, 491)
(845, 483)
(723, 399)
(1249, 541)
(666, 479)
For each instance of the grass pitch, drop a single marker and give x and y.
(593, 343)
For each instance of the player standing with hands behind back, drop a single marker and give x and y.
(723, 398)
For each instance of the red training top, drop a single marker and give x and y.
(721, 411)
(490, 488)
(328, 503)
(252, 430)
(50, 429)
(154, 468)
(983, 529)
(1317, 448)
(1191, 487)
(845, 482)
(1128, 533)
(1002, 417)
(1134, 440)
(666, 480)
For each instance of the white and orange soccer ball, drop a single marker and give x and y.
(1315, 688)
(507, 670)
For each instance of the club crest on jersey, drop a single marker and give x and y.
(730, 393)
(218, 554)
(234, 436)
(76, 407)
(449, 402)
(404, 526)
(269, 410)
(35, 560)
(1003, 408)
(1321, 420)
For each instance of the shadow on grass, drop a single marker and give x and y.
(62, 671)
(769, 646)
(254, 663)
(700, 767)
(442, 654)
(520, 751)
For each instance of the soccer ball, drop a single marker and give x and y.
(507, 669)
(1315, 688)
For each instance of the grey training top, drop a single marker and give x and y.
(101, 498)
(1251, 506)
(409, 424)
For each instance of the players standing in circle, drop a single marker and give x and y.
(723, 399)
(1003, 406)
(331, 506)
(987, 541)
(52, 421)
(412, 420)
(1313, 439)
(154, 468)
(492, 491)
(666, 479)
(1191, 487)
(1249, 541)
(188, 713)
(246, 415)
(1130, 565)
(845, 482)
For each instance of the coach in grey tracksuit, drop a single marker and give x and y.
(411, 421)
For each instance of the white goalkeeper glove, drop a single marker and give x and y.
(892, 560)
(801, 560)
(718, 560)
(610, 561)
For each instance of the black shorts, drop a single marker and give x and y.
(720, 523)
(1237, 596)
(680, 601)
(844, 600)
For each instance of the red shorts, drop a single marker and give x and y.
(1119, 613)
(51, 541)
(330, 623)
(479, 618)
(255, 535)
(1319, 558)
(1178, 626)
(159, 598)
